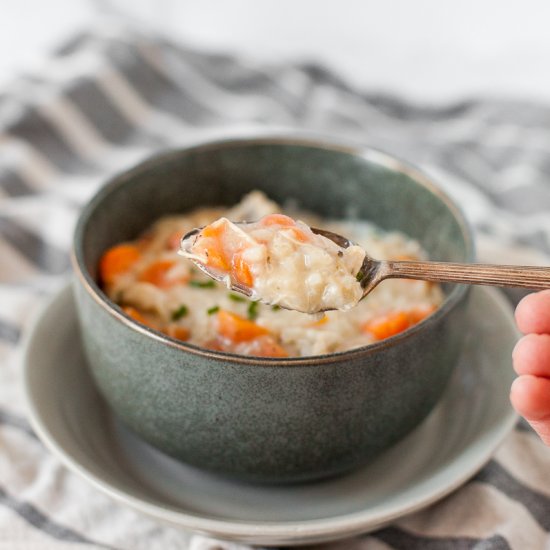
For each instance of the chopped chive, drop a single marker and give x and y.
(275, 307)
(203, 284)
(212, 310)
(236, 297)
(359, 275)
(182, 311)
(252, 310)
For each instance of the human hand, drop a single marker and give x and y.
(530, 392)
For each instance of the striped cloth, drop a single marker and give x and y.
(111, 97)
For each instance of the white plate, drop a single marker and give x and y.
(459, 436)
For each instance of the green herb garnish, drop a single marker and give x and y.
(275, 307)
(212, 310)
(236, 297)
(182, 311)
(359, 275)
(203, 284)
(252, 310)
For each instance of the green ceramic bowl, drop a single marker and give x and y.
(264, 419)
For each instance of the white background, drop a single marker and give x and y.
(430, 50)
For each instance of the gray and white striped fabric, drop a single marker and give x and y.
(111, 97)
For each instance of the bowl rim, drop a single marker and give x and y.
(367, 153)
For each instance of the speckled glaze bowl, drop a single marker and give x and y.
(264, 419)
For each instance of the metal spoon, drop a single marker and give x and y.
(373, 271)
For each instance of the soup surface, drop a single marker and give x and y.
(157, 287)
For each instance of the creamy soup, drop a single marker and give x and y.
(159, 288)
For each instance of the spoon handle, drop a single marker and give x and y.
(536, 278)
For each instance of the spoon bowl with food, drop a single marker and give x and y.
(284, 262)
(279, 261)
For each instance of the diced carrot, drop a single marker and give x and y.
(210, 246)
(178, 332)
(299, 235)
(286, 222)
(116, 261)
(213, 230)
(266, 346)
(135, 314)
(395, 322)
(157, 274)
(387, 325)
(277, 219)
(214, 344)
(418, 314)
(241, 270)
(319, 323)
(237, 328)
(216, 257)
(263, 346)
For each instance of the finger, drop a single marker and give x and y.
(532, 355)
(530, 396)
(533, 313)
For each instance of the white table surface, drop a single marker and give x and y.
(430, 50)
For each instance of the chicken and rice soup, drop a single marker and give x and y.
(157, 287)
